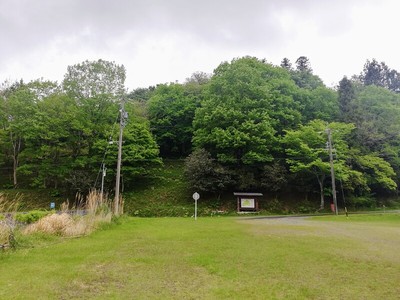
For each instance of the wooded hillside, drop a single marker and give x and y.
(248, 126)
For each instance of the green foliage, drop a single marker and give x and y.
(303, 75)
(320, 103)
(141, 94)
(171, 111)
(377, 171)
(139, 153)
(259, 125)
(31, 216)
(379, 74)
(91, 79)
(246, 103)
(274, 177)
(376, 114)
(346, 94)
(206, 175)
(57, 136)
(18, 106)
(359, 202)
(307, 152)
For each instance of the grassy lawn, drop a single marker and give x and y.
(213, 258)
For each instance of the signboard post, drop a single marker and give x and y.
(196, 197)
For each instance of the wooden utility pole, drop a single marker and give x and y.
(103, 175)
(328, 131)
(122, 122)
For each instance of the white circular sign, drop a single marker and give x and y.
(196, 196)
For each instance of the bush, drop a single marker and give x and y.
(31, 217)
(97, 211)
(4, 234)
(362, 202)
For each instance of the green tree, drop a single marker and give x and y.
(320, 103)
(378, 173)
(286, 64)
(18, 107)
(376, 114)
(346, 92)
(303, 75)
(303, 64)
(91, 79)
(171, 111)
(204, 174)
(307, 153)
(97, 87)
(141, 94)
(245, 104)
(379, 74)
(140, 152)
(57, 142)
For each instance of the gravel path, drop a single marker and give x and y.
(378, 238)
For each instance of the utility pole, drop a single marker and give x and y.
(122, 123)
(102, 181)
(328, 131)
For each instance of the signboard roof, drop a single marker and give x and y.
(248, 194)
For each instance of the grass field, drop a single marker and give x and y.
(214, 258)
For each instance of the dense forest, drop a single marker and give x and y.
(249, 126)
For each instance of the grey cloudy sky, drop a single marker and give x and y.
(164, 41)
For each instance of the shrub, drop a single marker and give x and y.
(362, 202)
(52, 224)
(31, 217)
(4, 234)
(96, 212)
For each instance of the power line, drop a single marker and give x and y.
(102, 165)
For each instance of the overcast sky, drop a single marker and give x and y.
(160, 41)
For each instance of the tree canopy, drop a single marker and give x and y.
(250, 125)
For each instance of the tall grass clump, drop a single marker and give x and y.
(82, 219)
(8, 226)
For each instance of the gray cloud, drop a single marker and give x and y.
(27, 24)
(29, 28)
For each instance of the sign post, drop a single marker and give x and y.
(196, 197)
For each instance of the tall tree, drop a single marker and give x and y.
(346, 92)
(98, 88)
(91, 79)
(320, 103)
(140, 153)
(171, 111)
(303, 64)
(246, 103)
(307, 154)
(57, 144)
(204, 174)
(373, 73)
(18, 109)
(303, 74)
(286, 64)
(141, 94)
(379, 74)
(246, 107)
(199, 78)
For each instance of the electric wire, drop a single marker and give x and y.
(106, 150)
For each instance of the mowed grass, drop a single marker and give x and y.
(213, 258)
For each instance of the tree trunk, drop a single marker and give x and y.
(321, 188)
(16, 149)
